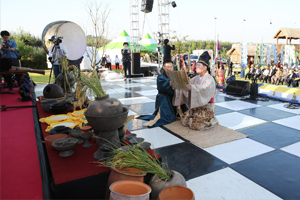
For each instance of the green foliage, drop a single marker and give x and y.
(138, 158)
(92, 83)
(30, 46)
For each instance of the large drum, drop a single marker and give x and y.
(74, 38)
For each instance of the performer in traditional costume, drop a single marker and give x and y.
(199, 98)
(165, 112)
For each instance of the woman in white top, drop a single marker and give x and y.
(117, 61)
(265, 75)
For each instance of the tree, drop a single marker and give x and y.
(98, 14)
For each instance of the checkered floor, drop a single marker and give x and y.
(264, 166)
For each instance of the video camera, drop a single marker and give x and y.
(56, 40)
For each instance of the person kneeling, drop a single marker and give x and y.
(199, 98)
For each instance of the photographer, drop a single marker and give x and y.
(126, 60)
(8, 57)
(56, 52)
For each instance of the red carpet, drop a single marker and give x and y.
(79, 165)
(20, 170)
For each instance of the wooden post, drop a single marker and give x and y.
(286, 41)
(290, 41)
(277, 42)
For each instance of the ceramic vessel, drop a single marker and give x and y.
(59, 108)
(51, 138)
(65, 146)
(121, 135)
(76, 133)
(60, 80)
(53, 91)
(135, 141)
(86, 134)
(129, 190)
(127, 173)
(176, 192)
(60, 129)
(157, 184)
(106, 115)
(46, 104)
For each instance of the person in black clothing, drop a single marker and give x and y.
(126, 60)
(167, 49)
(290, 79)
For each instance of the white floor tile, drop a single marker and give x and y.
(228, 184)
(148, 92)
(154, 86)
(114, 91)
(237, 120)
(292, 122)
(280, 106)
(237, 105)
(238, 150)
(131, 113)
(136, 100)
(157, 137)
(131, 85)
(293, 149)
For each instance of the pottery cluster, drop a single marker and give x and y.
(106, 116)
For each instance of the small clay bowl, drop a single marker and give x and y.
(65, 146)
(59, 128)
(75, 133)
(52, 138)
(126, 148)
(130, 136)
(145, 145)
(135, 141)
(65, 130)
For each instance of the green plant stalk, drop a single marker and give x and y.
(139, 159)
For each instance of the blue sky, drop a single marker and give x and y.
(191, 17)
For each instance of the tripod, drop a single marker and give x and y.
(55, 49)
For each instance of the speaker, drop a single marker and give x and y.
(146, 6)
(254, 91)
(238, 88)
(136, 63)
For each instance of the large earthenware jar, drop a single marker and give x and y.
(106, 115)
(157, 184)
(176, 192)
(125, 174)
(61, 81)
(129, 190)
(53, 91)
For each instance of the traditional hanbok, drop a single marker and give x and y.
(200, 102)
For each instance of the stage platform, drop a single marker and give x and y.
(280, 92)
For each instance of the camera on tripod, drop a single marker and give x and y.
(56, 40)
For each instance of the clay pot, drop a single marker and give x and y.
(53, 91)
(176, 192)
(60, 80)
(47, 103)
(105, 106)
(127, 173)
(129, 190)
(157, 184)
(51, 138)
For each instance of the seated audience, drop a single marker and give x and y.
(276, 77)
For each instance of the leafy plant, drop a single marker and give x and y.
(92, 83)
(137, 158)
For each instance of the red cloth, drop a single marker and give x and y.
(20, 170)
(79, 165)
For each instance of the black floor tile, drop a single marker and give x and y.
(137, 89)
(143, 108)
(220, 110)
(267, 113)
(277, 171)
(190, 160)
(262, 103)
(223, 99)
(273, 135)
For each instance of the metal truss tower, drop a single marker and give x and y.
(163, 18)
(134, 26)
